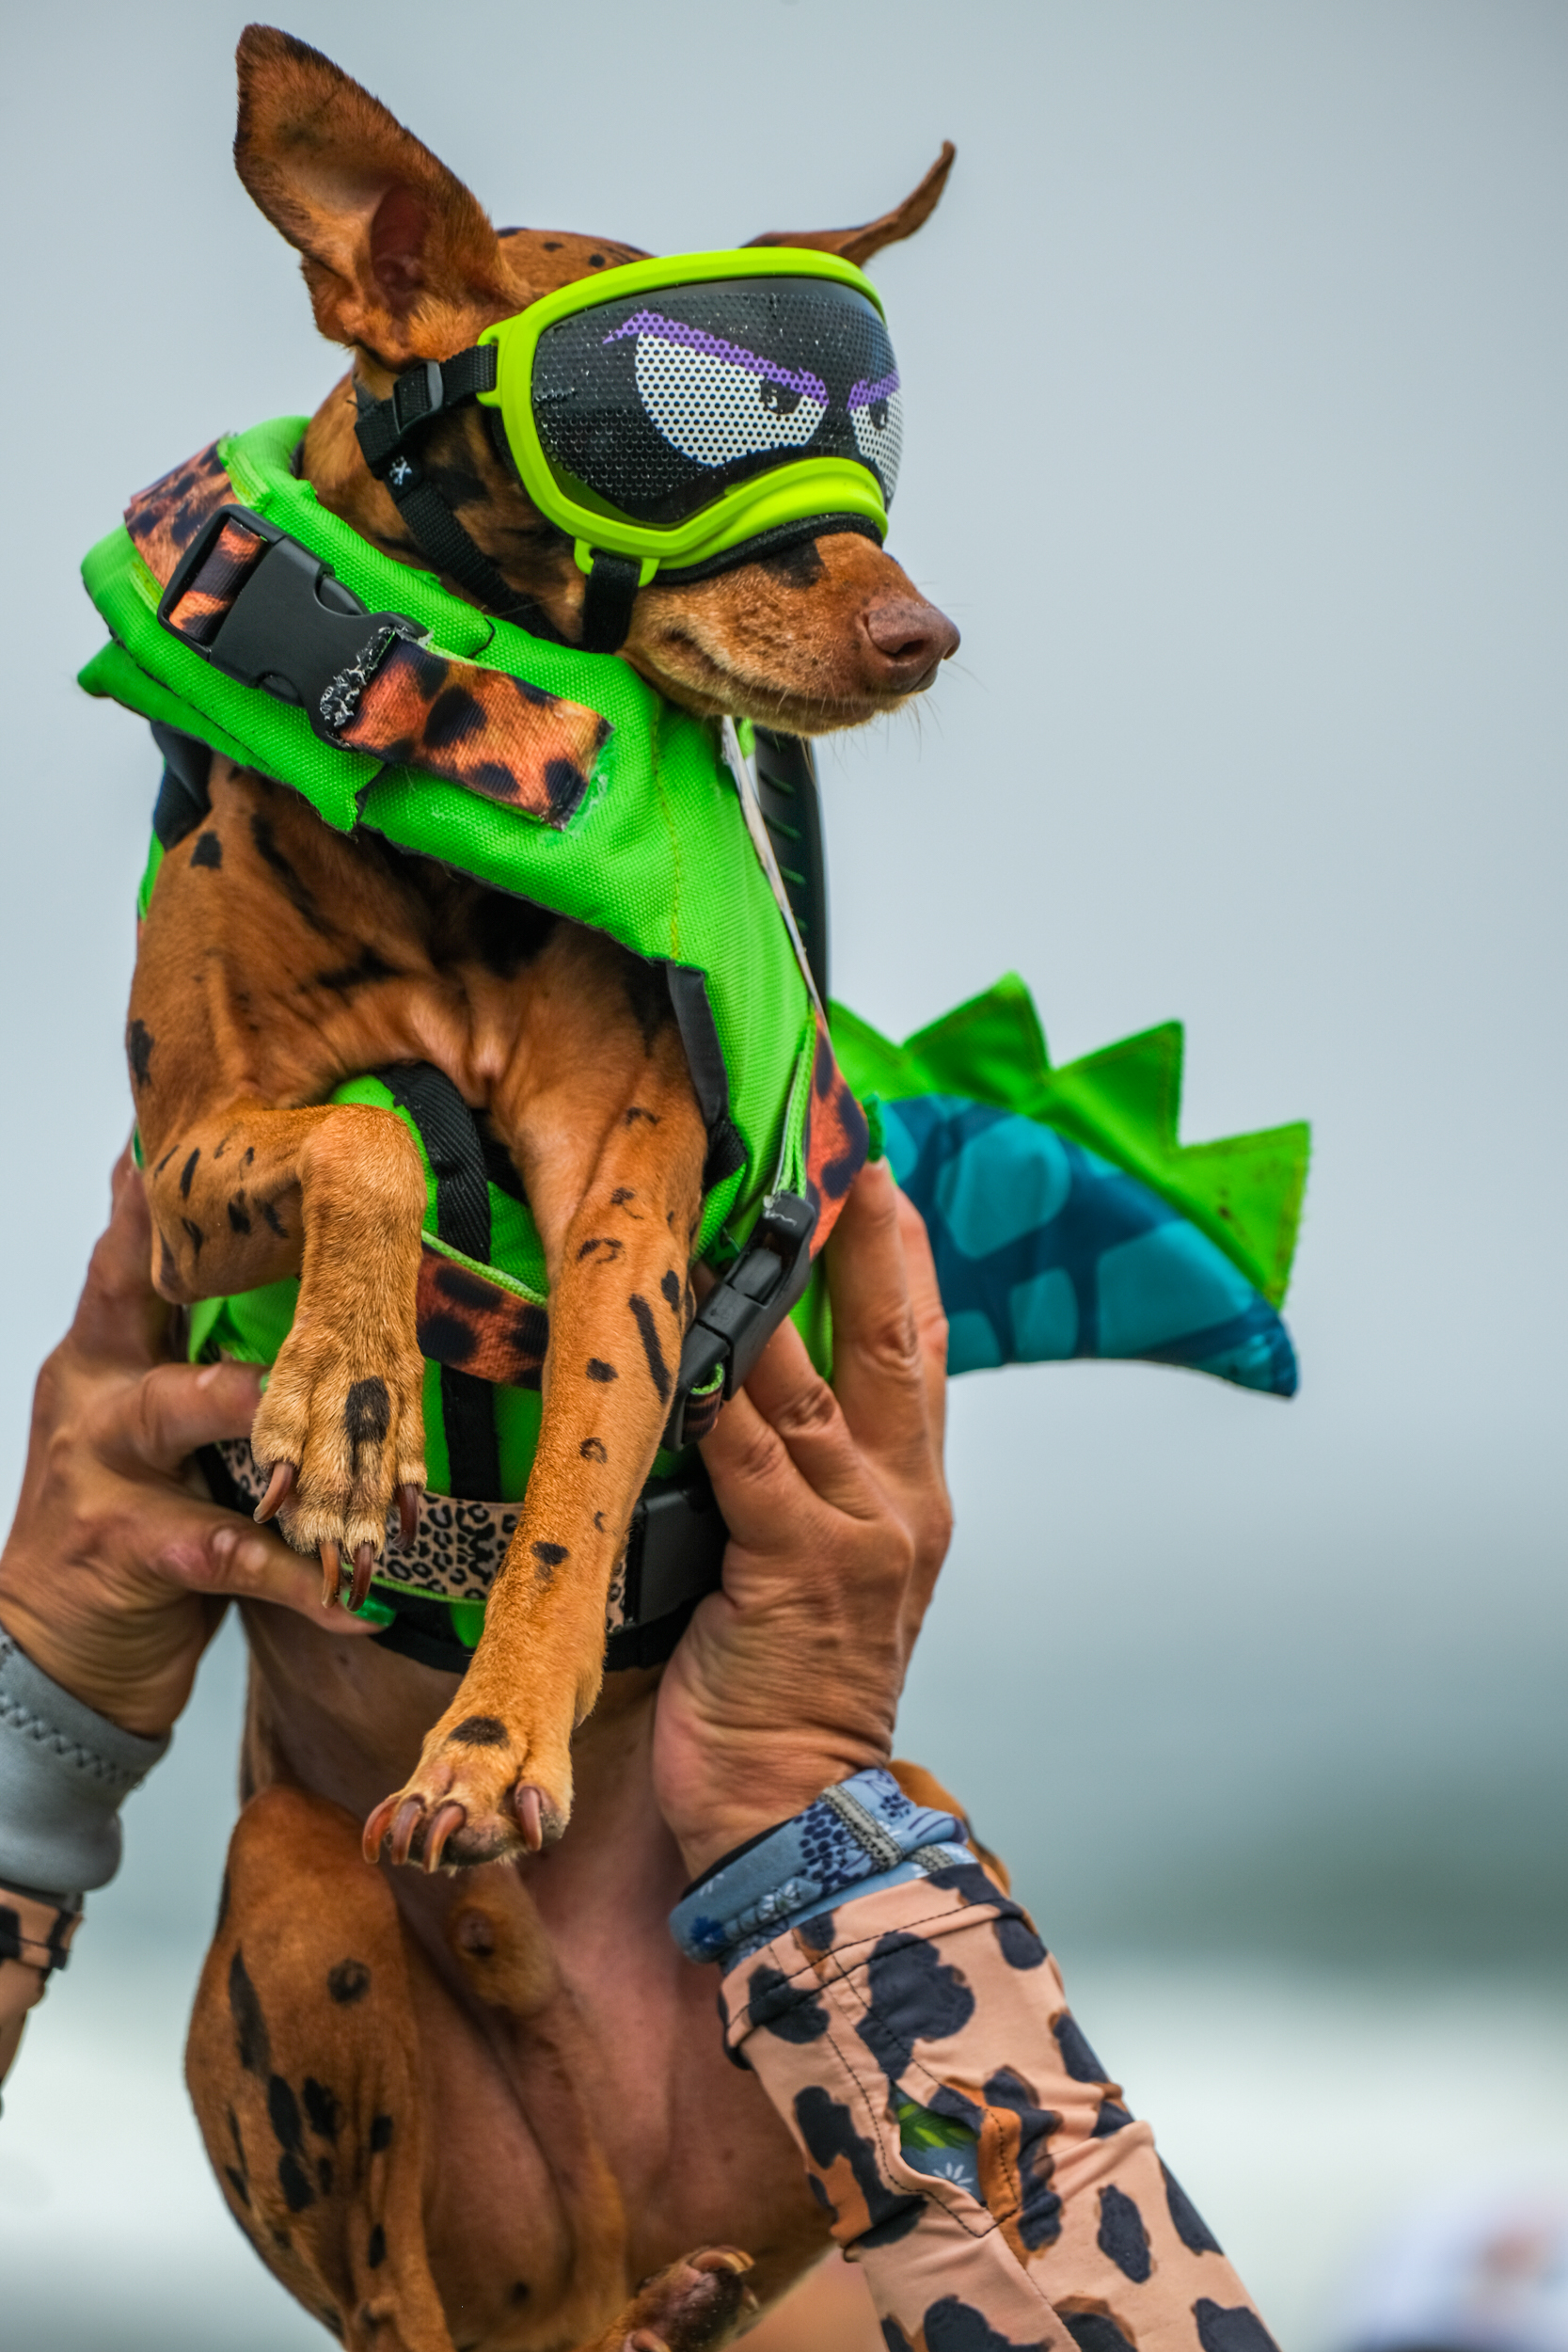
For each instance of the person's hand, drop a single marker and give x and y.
(117, 1567)
(790, 1678)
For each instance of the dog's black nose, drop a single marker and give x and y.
(907, 638)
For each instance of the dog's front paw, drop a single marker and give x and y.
(341, 1433)
(485, 1786)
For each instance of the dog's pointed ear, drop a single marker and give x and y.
(858, 244)
(399, 257)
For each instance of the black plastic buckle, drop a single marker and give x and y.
(675, 1548)
(741, 1312)
(293, 629)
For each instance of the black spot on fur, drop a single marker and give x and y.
(521, 2292)
(595, 261)
(194, 1234)
(1235, 2328)
(344, 978)
(367, 1416)
(787, 2013)
(480, 1731)
(591, 1449)
(271, 1216)
(1188, 2223)
(239, 1216)
(622, 1194)
(208, 851)
(613, 1249)
(324, 2175)
(236, 2182)
(348, 1982)
(252, 2042)
(323, 2108)
(295, 891)
(1123, 2237)
(375, 2252)
(164, 1161)
(637, 1112)
(169, 1273)
(669, 1284)
(599, 1370)
(659, 1371)
(550, 245)
(550, 1556)
(140, 1042)
(598, 1521)
(187, 1173)
(381, 2134)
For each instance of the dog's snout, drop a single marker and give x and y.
(907, 638)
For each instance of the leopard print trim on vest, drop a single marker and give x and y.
(459, 1547)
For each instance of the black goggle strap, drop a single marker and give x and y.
(385, 429)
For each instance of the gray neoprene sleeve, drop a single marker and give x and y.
(64, 1773)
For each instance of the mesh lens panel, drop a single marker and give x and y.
(657, 403)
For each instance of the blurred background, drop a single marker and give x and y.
(1235, 365)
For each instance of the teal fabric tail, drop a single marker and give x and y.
(1044, 1252)
(1066, 1218)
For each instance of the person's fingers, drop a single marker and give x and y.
(758, 1488)
(879, 1374)
(802, 1411)
(120, 1316)
(209, 1551)
(930, 1316)
(178, 1407)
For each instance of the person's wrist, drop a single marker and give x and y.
(754, 1791)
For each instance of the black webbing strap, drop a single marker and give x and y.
(450, 1138)
(608, 601)
(385, 429)
(792, 811)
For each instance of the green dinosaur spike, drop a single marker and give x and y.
(1124, 1101)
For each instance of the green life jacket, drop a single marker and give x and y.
(1065, 1217)
(563, 779)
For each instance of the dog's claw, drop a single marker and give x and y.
(447, 1817)
(376, 1827)
(332, 1562)
(281, 1485)
(644, 2340)
(722, 2258)
(408, 1516)
(364, 1567)
(404, 1827)
(526, 1804)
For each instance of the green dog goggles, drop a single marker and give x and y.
(675, 417)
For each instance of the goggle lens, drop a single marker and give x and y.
(654, 404)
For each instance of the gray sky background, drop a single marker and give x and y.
(1235, 360)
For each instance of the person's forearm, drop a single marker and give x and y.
(65, 1771)
(969, 2149)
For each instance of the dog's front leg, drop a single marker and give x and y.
(244, 1195)
(496, 1772)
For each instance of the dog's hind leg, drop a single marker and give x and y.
(304, 2076)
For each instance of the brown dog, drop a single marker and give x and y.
(279, 958)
